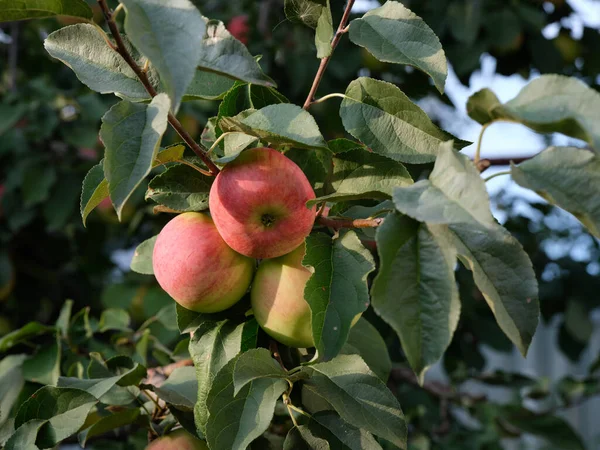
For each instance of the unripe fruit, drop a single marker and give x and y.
(278, 303)
(193, 265)
(178, 440)
(258, 203)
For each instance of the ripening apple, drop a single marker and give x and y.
(277, 297)
(239, 29)
(195, 266)
(178, 440)
(258, 203)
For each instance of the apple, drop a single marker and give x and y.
(195, 266)
(258, 203)
(239, 29)
(178, 440)
(277, 297)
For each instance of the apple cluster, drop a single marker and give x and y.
(257, 212)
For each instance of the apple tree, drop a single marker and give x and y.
(285, 244)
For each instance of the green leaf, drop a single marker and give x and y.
(24, 438)
(236, 420)
(213, 345)
(220, 52)
(37, 183)
(180, 389)
(337, 290)
(351, 437)
(95, 189)
(44, 366)
(315, 14)
(365, 341)
(180, 188)
(64, 318)
(305, 437)
(114, 319)
(393, 33)
(253, 365)
(315, 164)
(208, 86)
(83, 49)
(481, 104)
(552, 103)
(11, 10)
(170, 36)
(187, 321)
(567, 177)
(11, 383)
(131, 133)
(31, 330)
(64, 409)
(383, 117)
(359, 174)
(359, 397)
(107, 423)
(234, 143)
(415, 291)
(455, 205)
(553, 429)
(142, 257)
(282, 124)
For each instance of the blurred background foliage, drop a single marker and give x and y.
(49, 126)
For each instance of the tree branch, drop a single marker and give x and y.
(336, 223)
(325, 61)
(141, 74)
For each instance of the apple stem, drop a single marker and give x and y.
(325, 61)
(337, 223)
(122, 50)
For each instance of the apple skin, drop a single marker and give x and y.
(178, 440)
(277, 298)
(196, 268)
(258, 203)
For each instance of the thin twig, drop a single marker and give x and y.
(479, 141)
(497, 174)
(336, 223)
(122, 50)
(275, 352)
(325, 61)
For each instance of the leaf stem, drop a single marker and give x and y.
(342, 28)
(497, 174)
(217, 141)
(337, 223)
(327, 97)
(122, 50)
(479, 141)
(194, 166)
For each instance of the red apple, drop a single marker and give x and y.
(239, 29)
(258, 203)
(278, 299)
(178, 440)
(193, 265)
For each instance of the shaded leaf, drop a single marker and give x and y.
(95, 189)
(208, 86)
(44, 366)
(359, 397)
(220, 52)
(282, 124)
(24, 438)
(236, 420)
(351, 437)
(365, 341)
(131, 133)
(393, 33)
(142, 257)
(31, 330)
(11, 383)
(337, 290)
(63, 409)
(180, 389)
(383, 117)
(567, 177)
(359, 174)
(169, 34)
(415, 291)
(96, 65)
(114, 319)
(253, 365)
(180, 188)
(107, 423)
(11, 10)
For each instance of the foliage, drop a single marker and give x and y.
(404, 207)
